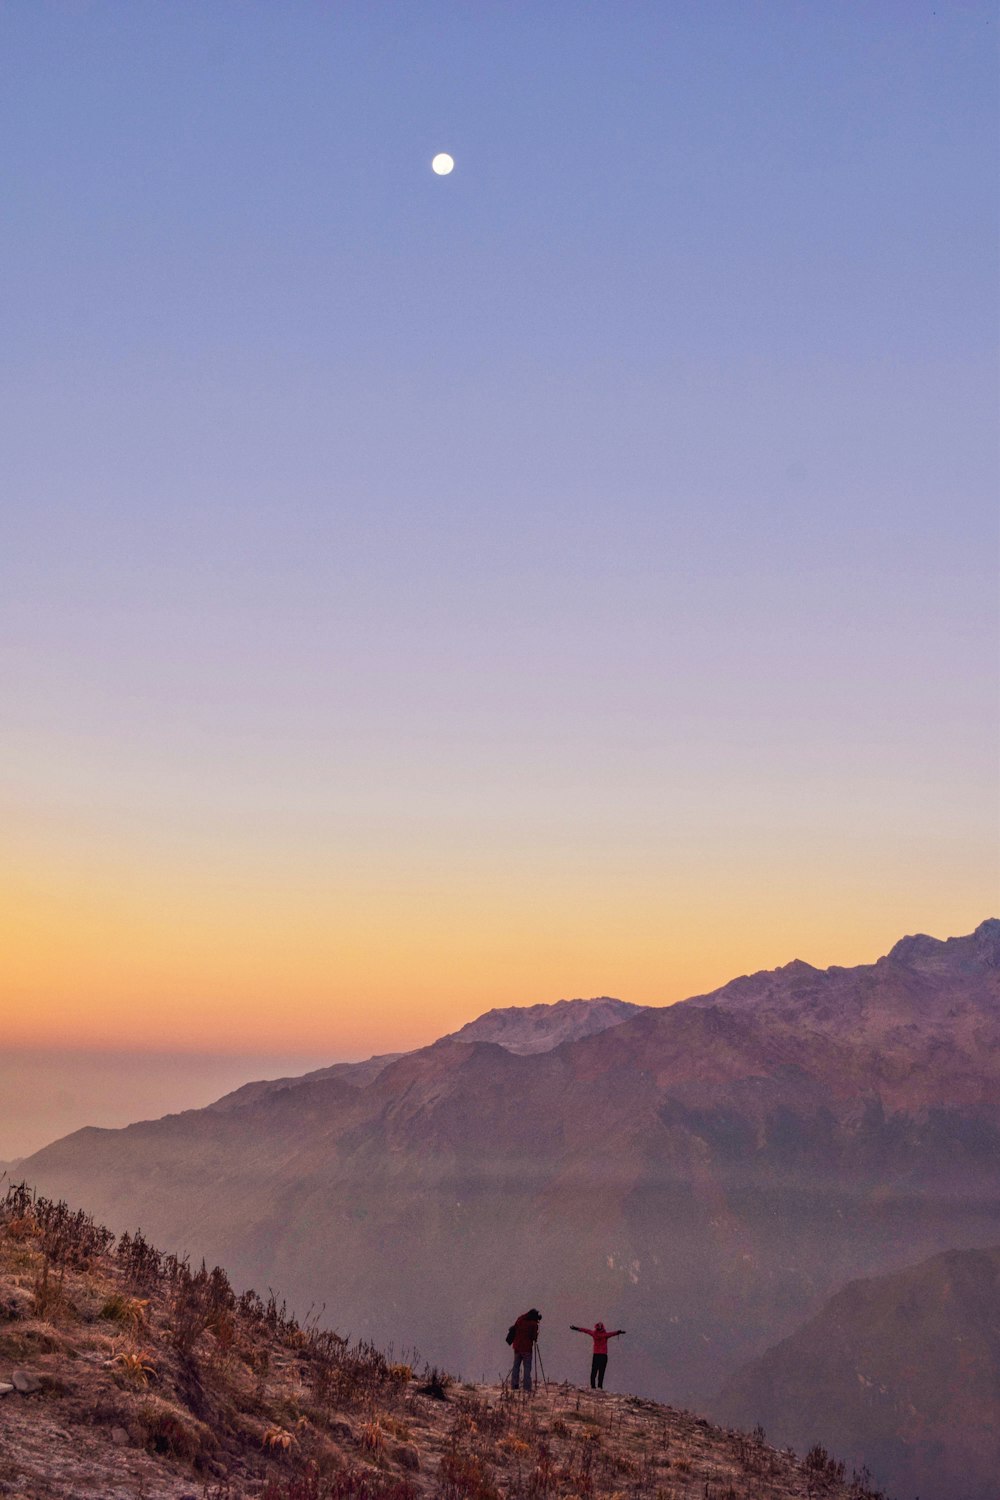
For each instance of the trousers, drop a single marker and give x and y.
(521, 1361)
(598, 1365)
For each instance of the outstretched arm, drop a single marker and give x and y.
(616, 1333)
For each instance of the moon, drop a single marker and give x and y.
(443, 164)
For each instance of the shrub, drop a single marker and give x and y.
(465, 1477)
(168, 1429)
(65, 1238)
(141, 1265)
(818, 1461)
(372, 1438)
(278, 1438)
(48, 1293)
(127, 1312)
(136, 1366)
(436, 1384)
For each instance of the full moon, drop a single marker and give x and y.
(442, 164)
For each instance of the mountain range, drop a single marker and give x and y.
(705, 1175)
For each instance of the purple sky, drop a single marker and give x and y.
(538, 571)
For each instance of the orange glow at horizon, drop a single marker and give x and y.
(230, 959)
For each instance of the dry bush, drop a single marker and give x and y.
(170, 1429)
(27, 1343)
(817, 1461)
(465, 1477)
(491, 1421)
(65, 1238)
(200, 1302)
(129, 1313)
(371, 1437)
(350, 1376)
(436, 1384)
(222, 1327)
(278, 1438)
(49, 1299)
(23, 1227)
(135, 1366)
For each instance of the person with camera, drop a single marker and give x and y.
(523, 1336)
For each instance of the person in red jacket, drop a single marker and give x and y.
(599, 1363)
(525, 1331)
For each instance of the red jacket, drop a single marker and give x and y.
(599, 1335)
(525, 1334)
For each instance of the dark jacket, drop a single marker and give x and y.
(525, 1333)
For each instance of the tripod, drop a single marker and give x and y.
(541, 1367)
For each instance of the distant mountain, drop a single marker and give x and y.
(538, 1028)
(901, 1372)
(518, 1028)
(704, 1175)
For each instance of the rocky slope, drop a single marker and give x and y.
(902, 1371)
(705, 1175)
(125, 1375)
(538, 1028)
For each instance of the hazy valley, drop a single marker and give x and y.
(901, 1369)
(135, 1377)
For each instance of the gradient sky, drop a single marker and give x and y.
(576, 575)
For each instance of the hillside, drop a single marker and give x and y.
(902, 1371)
(124, 1374)
(358, 1074)
(706, 1175)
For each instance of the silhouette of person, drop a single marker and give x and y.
(525, 1338)
(599, 1362)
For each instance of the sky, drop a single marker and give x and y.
(575, 575)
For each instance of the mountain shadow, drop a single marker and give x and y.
(899, 1372)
